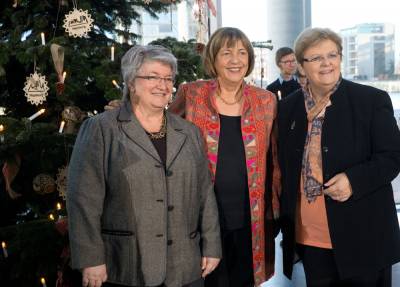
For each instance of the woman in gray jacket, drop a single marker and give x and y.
(141, 207)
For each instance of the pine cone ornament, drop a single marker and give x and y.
(44, 184)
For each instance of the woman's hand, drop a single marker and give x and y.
(208, 264)
(338, 187)
(94, 276)
(113, 105)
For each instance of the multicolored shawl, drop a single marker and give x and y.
(312, 158)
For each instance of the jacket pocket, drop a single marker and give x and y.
(121, 256)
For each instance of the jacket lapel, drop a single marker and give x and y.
(175, 139)
(135, 132)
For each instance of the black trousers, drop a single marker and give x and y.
(321, 271)
(197, 283)
(236, 266)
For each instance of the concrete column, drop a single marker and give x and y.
(285, 20)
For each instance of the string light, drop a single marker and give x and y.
(112, 53)
(116, 84)
(1, 133)
(43, 39)
(35, 115)
(4, 246)
(62, 124)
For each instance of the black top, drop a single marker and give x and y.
(161, 147)
(286, 88)
(231, 187)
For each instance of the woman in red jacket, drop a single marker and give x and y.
(236, 120)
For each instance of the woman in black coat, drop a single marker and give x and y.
(339, 150)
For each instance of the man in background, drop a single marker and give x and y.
(286, 82)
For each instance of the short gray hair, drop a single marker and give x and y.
(312, 36)
(134, 58)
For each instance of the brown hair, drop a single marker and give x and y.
(282, 52)
(312, 36)
(229, 36)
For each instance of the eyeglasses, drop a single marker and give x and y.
(288, 62)
(319, 58)
(157, 79)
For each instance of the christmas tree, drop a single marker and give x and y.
(52, 77)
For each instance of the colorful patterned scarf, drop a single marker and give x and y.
(312, 159)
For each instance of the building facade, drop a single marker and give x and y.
(368, 51)
(179, 22)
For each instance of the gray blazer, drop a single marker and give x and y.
(148, 224)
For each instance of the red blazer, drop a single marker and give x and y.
(196, 102)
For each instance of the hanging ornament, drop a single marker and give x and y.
(199, 48)
(78, 23)
(147, 2)
(44, 184)
(211, 7)
(57, 54)
(36, 89)
(62, 225)
(10, 170)
(61, 181)
(199, 13)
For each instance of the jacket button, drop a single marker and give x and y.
(169, 242)
(325, 149)
(168, 173)
(170, 207)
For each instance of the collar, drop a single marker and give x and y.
(314, 108)
(126, 115)
(281, 79)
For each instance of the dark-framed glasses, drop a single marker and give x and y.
(288, 62)
(158, 80)
(319, 58)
